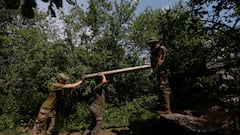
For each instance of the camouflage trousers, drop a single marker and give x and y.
(96, 125)
(45, 120)
(164, 96)
(163, 92)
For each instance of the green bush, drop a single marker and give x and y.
(6, 122)
(113, 116)
(120, 116)
(80, 119)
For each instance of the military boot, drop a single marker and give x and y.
(86, 132)
(166, 96)
(167, 108)
(51, 126)
(98, 126)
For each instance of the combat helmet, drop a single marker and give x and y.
(152, 40)
(62, 76)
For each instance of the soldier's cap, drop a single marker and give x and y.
(152, 40)
(62, 76)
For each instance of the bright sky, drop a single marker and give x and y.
(155, 4)
(143, 4)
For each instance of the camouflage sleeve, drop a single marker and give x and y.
(57, 86)
(98, 87)
(160, 52)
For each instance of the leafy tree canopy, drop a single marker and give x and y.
(27, 7)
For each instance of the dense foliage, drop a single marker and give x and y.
(105, 36)
(27, 7)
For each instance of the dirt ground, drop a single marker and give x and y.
(170, 124)
(113, 131)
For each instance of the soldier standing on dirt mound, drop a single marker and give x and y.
(97, 105)
(158, 53)
(47, 110)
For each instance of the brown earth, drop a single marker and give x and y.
(214, 122)
(113, 131)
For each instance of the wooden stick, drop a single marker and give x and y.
(116, 71)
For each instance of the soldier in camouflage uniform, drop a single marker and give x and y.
(158, 53)
(47, 110)
(97, 106)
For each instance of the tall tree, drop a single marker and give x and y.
(184, 49)
(103, 31)
(185, 40)
(27, 6)
(221, 20)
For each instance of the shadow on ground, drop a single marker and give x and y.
(159, 126)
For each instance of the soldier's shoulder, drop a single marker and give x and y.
(163, 47)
